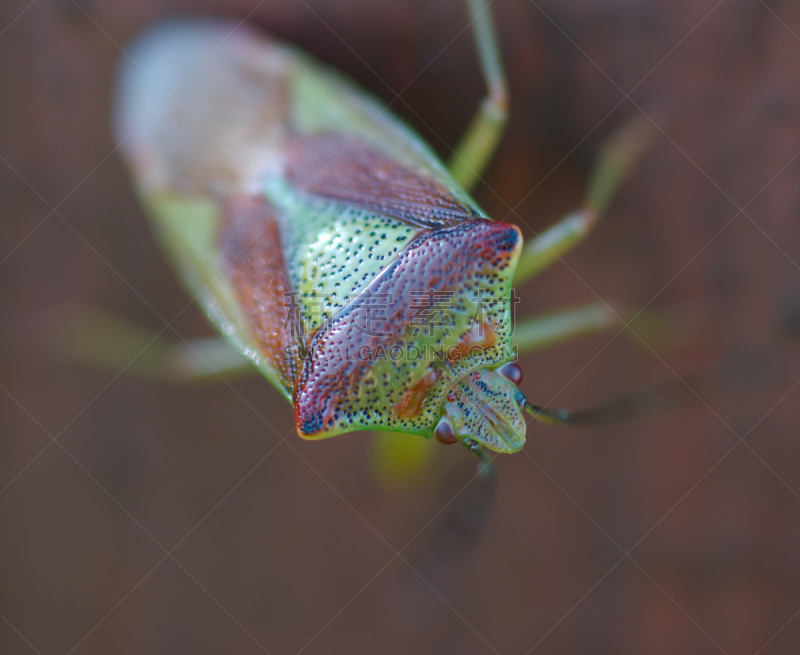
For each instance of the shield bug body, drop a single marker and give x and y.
(326, 241)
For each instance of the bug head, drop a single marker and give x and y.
(485, 407)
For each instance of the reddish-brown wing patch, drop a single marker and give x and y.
(250, 248)
(347, 169)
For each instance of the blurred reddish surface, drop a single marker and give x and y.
(174, 520)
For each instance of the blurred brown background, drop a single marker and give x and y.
(174, 519)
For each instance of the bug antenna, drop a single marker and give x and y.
(544, 415)
(633, 405)
(739, 373)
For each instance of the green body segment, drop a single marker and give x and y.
(307, 220)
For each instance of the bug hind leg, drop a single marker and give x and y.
(90, 337)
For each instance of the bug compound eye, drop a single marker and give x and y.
(511, 371)
(445, 433)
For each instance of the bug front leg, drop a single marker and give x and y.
(485, 466)
(615, 162)
(483, 135)
(537, 332)
(665, 329)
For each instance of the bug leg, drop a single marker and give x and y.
(477, 146)
(400, 459)
(208, 359)
(537, 332)
(615, 162)
(664, 329)
(94, 338)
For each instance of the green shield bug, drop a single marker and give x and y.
(327, 242)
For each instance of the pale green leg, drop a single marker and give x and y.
(477, 146)
(537, 332)
(652, 329)
(90, 337)
(399, 459)
(208, 359)
(615, 161)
